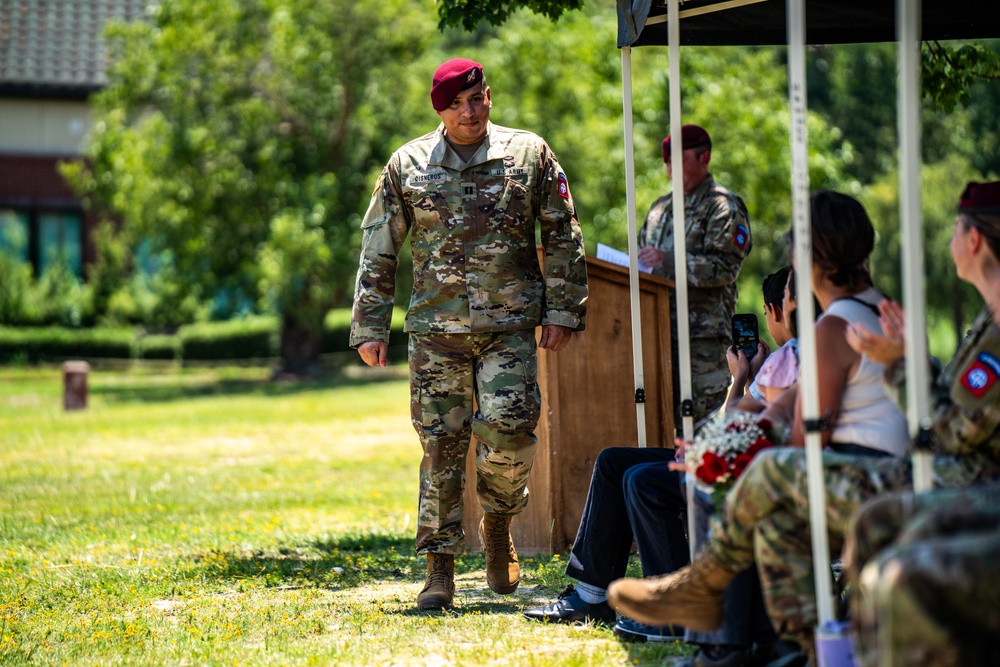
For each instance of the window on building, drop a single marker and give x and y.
(60, 240)
(14, 230)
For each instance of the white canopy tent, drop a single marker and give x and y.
(796, 23)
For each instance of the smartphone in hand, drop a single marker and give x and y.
(745, 335)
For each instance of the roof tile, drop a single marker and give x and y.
(55, 46)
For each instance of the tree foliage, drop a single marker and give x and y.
(469, 13)
(949, 73)
(239, 141)
(237, 136)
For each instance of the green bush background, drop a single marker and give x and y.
(254, 337)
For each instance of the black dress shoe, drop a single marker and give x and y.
(570, 608)
(634, 631)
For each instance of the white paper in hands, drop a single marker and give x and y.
(617, 257)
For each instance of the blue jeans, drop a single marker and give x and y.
(632, 495)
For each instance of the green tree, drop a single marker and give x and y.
(239, 135)
(469, 13)
(566, 86)
(950, 299)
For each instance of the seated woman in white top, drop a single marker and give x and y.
(861, 418)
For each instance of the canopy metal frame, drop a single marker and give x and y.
(908, 31)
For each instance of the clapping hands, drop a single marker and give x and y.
(885, 348)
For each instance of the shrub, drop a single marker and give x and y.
(159, 346)
(244, 338)
(34, 344)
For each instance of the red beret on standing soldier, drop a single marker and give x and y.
(451, 78)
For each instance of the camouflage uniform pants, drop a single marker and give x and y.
(766, 520)
(925, 576)
(464, 385)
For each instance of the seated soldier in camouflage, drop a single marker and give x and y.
(924, 571)
(765, 516)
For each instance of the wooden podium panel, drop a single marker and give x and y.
(588, 403)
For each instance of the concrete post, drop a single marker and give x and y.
(75, 385)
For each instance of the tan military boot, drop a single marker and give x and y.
(502, 571)
(691, 596)
(439, 589)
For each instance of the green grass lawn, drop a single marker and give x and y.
(212, 517)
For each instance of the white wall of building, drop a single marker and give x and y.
(54, 127)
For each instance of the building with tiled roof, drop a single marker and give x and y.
(52, 58)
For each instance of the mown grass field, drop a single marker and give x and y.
(213, 517)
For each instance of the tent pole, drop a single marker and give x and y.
(908, 102)
(633, 243)
(683, 332)
(680, 223)
(808, 368)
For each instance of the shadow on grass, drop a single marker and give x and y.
(337, 564)
(140, 392)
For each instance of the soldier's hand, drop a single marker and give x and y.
(374, 354)
(885, 350)
(651, 257)
(555, 337)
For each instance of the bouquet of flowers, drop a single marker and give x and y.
(724, 447)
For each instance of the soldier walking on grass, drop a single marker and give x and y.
(469, 195)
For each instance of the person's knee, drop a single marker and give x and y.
(645, 480)
(504, 437)
(611, 461)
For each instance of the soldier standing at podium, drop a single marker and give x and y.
(717, 233)
(470, 195)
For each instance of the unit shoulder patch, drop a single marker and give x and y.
(981, 374)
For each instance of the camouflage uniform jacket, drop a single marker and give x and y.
(718, 240)
(472, 237)
(965, 405)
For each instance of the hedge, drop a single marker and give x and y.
(34, 344)
(245, 338)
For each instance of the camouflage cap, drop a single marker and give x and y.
(692, 136)
(452, 77)
(980, 198)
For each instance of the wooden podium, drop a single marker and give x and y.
(588, 403)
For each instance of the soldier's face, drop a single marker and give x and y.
(695, 168)
(962, 241)
(465, 120)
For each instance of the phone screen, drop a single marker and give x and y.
(745, 333)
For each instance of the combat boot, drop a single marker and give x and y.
(439, 589)
(502, 571)
(691, 596)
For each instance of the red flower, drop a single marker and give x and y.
(741, 462)
(765, 425)
(712, 468)
(758, 444)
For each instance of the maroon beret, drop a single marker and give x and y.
(692, 136)
(452, 77)
(981, 197)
